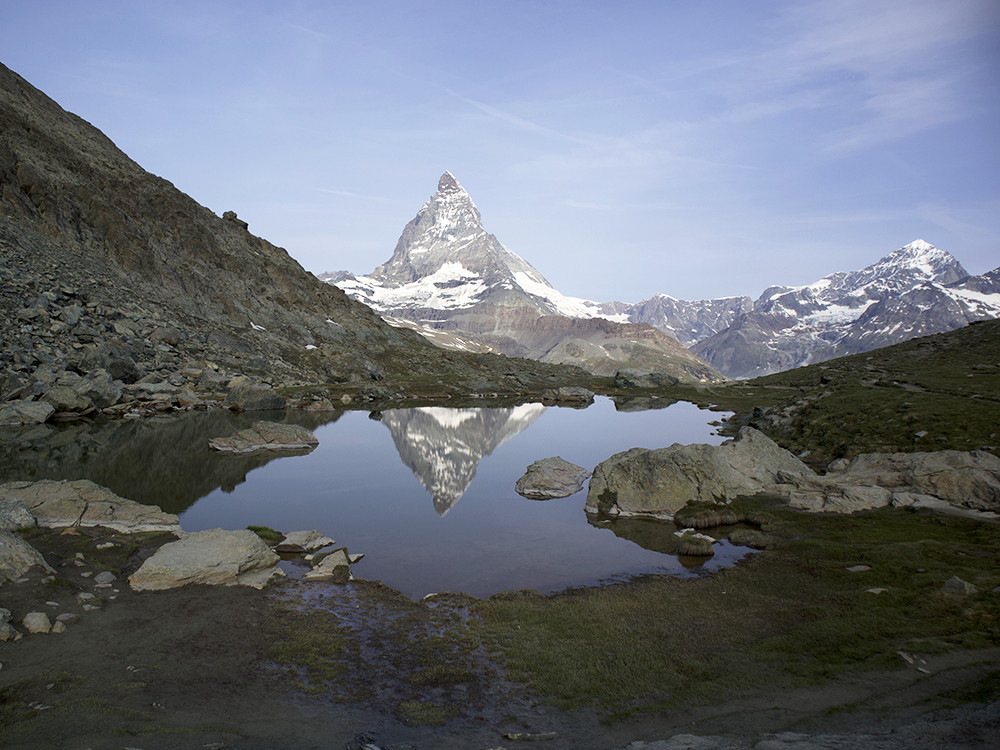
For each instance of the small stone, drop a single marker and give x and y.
(68, 617)
(858, 568)
(955, 586)
(303, 541)
(51, 604)
(106, 545)
(8, 632)
(5, 615)
(85, 597)
(105, 577)
(59, 626)
(876, 591)
(36, 622)
(86, 574)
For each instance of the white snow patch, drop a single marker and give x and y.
(257, 327)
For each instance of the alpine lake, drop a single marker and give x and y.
(427, 494)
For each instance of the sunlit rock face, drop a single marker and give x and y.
(443, 447)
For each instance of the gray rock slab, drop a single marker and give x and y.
(657, 483)
(17, 557)
(80, 502)
(551, 477)
(335, 568)
(215, 556)
(14, 514)
(303, 541)
(266, 436)
(24, 411)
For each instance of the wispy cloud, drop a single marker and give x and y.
(350, 194)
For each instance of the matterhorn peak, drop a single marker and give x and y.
(448, 184)
(916, 245)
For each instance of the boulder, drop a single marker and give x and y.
(643, 482)
(24, 411)
(36, 622)
(303, 541)
(66, 398)
(80, 502)
(14, 515)
(17, 557)
(634, 379)
(215, 557)
(99, 388)
(830, 494)
(335, 568)
(252, 397)
(969, 479)
(266, 436)
(551, 477)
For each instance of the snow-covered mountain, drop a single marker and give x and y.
(449, 274)
(914, 291)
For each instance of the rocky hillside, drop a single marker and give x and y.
(449, 274)
(105, 266)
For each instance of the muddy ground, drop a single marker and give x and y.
(194, 668)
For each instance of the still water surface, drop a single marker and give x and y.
(427, 494)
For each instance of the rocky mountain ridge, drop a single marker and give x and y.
(447, 273)
(106, 267)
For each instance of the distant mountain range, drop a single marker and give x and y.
(448, 275)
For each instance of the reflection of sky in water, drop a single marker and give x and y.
(355, 488)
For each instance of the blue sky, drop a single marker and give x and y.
(698, 149)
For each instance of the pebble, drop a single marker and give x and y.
(858, 568)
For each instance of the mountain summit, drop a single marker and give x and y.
(446, 260)
(449, 274)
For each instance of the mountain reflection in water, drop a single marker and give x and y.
(443, 447)
(355, 488)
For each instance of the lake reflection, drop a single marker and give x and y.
(433, 508)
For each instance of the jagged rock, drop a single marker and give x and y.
(66, 398)
(36, 622)
(82, 503)
(14, 515)
(25, 411)
(8, 632)
(633, 379)
(253, 397)
(216, 557)
(569, 394)
(658, 482)
(303, 541)
(266, 436)
(99, 388)
(114, 357)
(833, 494)
(335, 567)
(551, 477)
(17, 557)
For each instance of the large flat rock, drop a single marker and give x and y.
(215, 557)
(643, 482)
(266, 436)
(80, 502)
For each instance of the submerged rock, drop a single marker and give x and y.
(551, 477)
(266, 436)
(216, 557)
(80, 502)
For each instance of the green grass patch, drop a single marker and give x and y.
(789, 617)
(268, 534)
